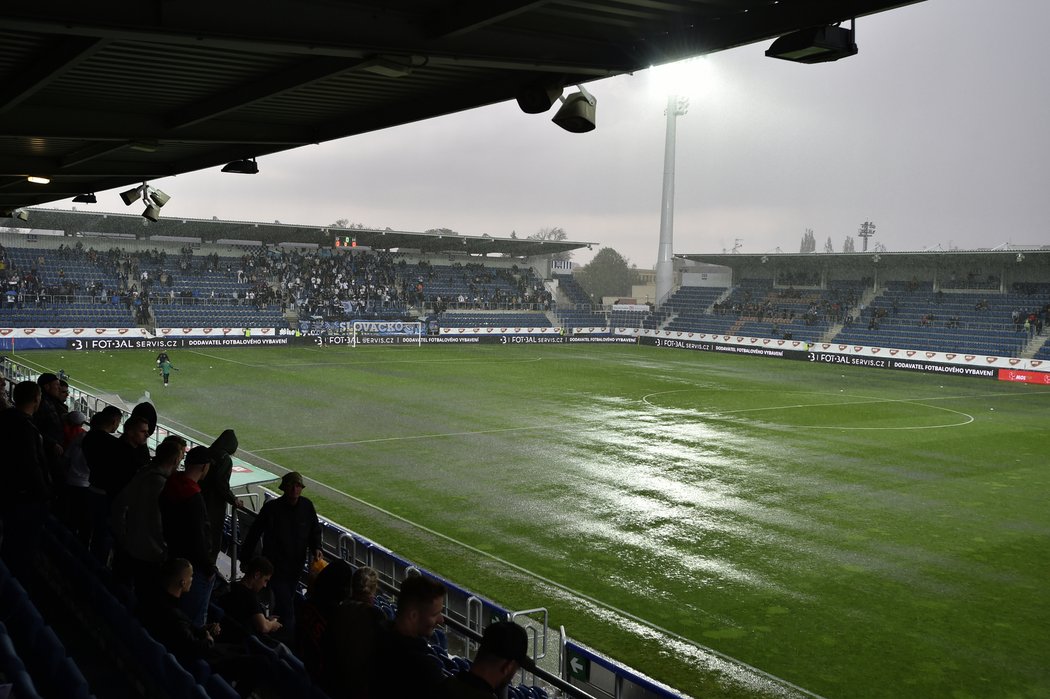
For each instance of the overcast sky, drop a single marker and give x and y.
(938, 131)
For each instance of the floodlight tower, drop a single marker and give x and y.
(676, 107)
(867, 229)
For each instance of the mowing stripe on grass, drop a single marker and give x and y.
(409, 437)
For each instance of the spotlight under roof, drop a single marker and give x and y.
(577, 112)
(815, 44)
(248, 166)
(133, 195)
(85, 199)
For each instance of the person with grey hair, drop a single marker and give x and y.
(350, 641)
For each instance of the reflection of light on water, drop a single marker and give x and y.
(670, 494)
(737, 678)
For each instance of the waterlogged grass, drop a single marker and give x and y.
(858, 534)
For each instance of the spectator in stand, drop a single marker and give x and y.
(186, 530)
(5, 397)
(128, 455)
(125, 456)
(26, 494)
(405, 667)
(168, 625)
(246, 615)
(215, 487)
(329, 591)
(99, 447)
(146, 410)
(289, 531)
(50, 420)
(351, 639)
(136, 522)
(76, 508)
(503, 652)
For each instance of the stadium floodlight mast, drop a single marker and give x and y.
(695, 79)
(867, 230)
(676, 107)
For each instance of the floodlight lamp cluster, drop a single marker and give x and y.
(20, 214)
(154, 198)
(577, 111)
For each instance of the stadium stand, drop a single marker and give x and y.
(455, 319)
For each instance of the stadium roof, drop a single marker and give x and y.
(75, 223)
(104, 95)
(1035, 258)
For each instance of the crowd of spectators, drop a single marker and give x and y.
(148, 517)
(791, 305)
(315, 284)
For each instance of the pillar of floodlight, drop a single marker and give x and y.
(676, 107)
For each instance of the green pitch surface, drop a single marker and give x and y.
(859, 534)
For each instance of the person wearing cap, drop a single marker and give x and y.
(187, 531)
(75, 509)
(289, 531)
(503, 652)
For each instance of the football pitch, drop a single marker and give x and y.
(855, 532)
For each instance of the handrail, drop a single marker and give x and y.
(525, 613)
(558, 683)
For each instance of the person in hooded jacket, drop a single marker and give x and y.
(147, 411)
(215, 487)
(187, 533)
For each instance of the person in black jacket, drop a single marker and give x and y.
(504, 651)
(26, 493)
(215, 486)
(289, 531)
(168, 625)
(186, 530)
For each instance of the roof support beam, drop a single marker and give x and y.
(48, 65)
(293, 77)
(462, 18)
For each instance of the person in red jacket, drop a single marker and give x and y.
(187, 530)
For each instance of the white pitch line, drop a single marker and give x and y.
(224, 359)
(548, 581)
